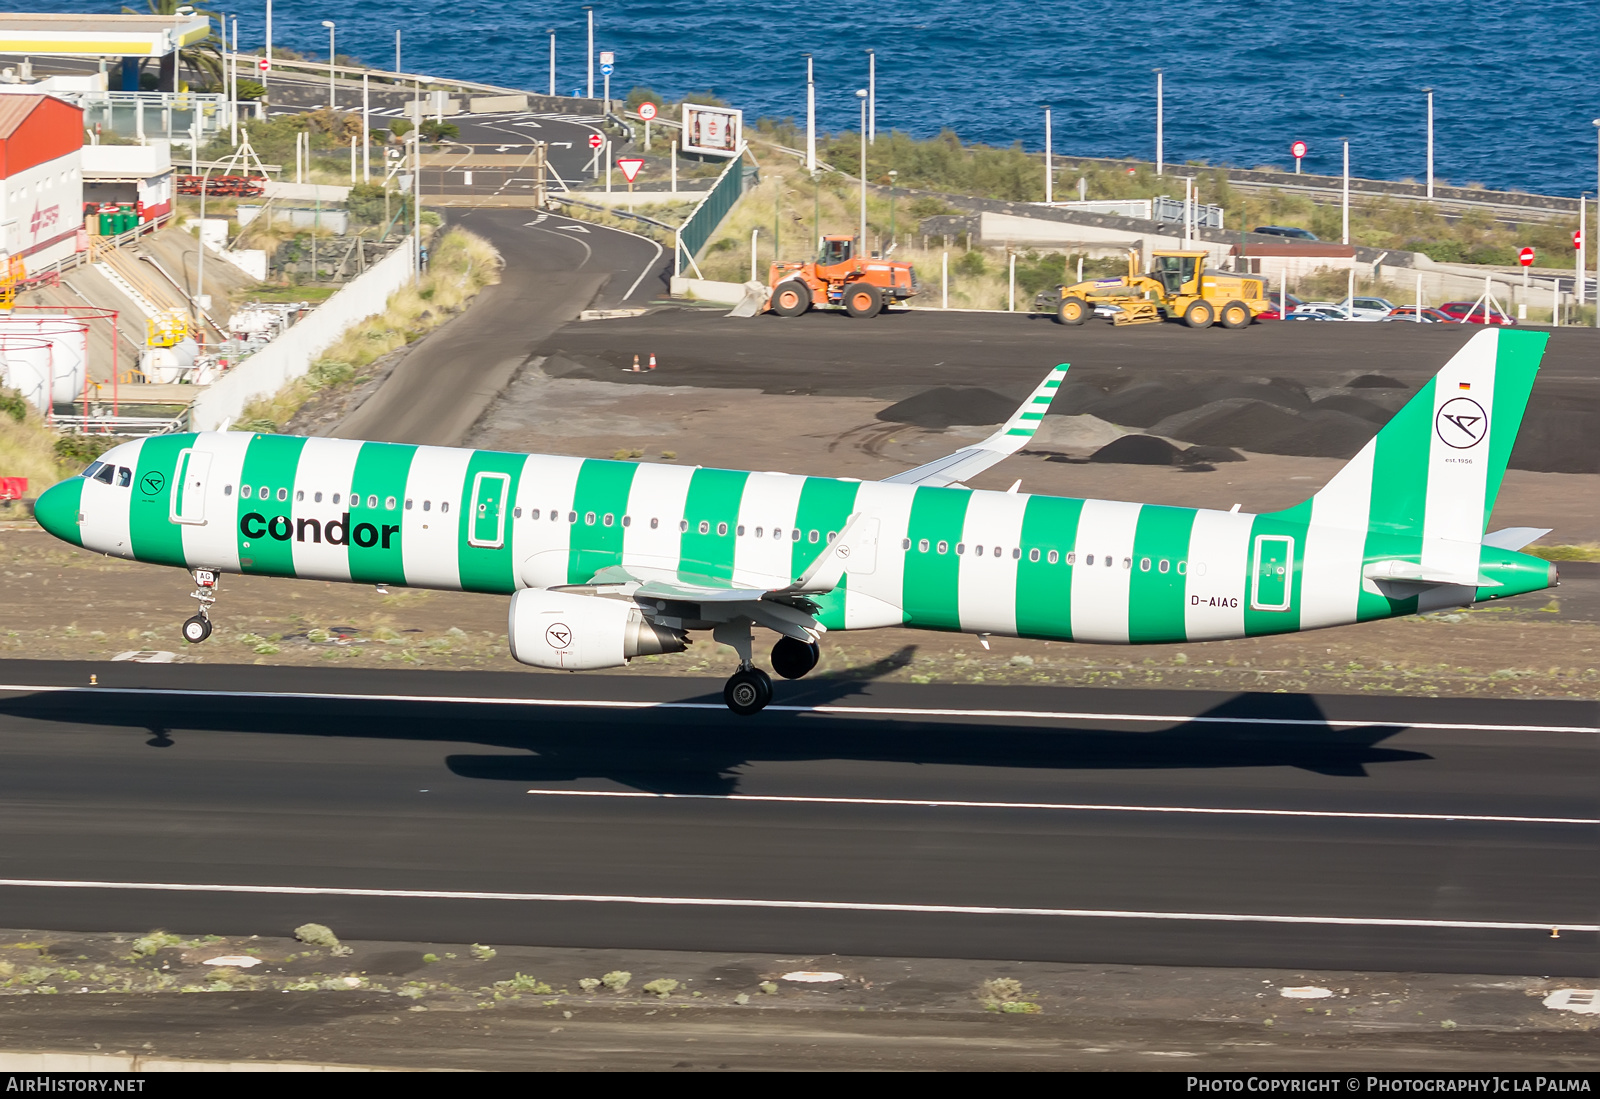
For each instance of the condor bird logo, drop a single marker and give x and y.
(1462, 423)
(558, 635)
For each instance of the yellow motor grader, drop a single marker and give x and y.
(1178, 287)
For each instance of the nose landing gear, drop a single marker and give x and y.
(198, 628)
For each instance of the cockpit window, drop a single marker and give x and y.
(105, 474)
(124, 476)
(94, 467)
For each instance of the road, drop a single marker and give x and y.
(554, 268)
(853, 817)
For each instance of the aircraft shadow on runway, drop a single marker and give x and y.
(702, 751)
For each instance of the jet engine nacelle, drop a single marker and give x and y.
(555, 629)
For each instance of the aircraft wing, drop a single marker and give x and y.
(1012, 436)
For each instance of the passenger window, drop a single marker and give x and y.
(944, 547)
(264, 492)
(832, 534)
(961, 548)
(1033, 555)
(794, 535)
(1053, 557)
(705, 527)
(427, 505)
(572, 516)
(683, 526)
(372, 501)
(534, 514)
(740, 530)
(608, 519)
(335, 496)
(124, 476)
(722, 530)
(977, 551)
(1163, 566)
(1016, 553)
(761, 532)
(1127, 562)
(997, 551)
(1144, 564)
(227, 490)
(444, 506)
(516, 513)
(813, 538)
(388, 503)
(246, 491)
(1089, 559)
(409, 502)
(588, 518)
(627, 520)
(1072, 559)
(922, 545)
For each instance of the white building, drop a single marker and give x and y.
(41, 178)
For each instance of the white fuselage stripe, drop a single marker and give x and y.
(835, 906)
(828, 711)
(1069, 806)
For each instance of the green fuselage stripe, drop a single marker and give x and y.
(270, 464)
(1044, 591)
(931, 592)
(1291, 524)
(488, 568)
(825, 506)
(1155, 598)
(714, 496)
(381, 472)
(154, 537)
(600, 500)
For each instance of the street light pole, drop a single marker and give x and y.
(893, 175)
(552, 33)
(861, 241)
(397, 51)
(811, 116)
(1160, 122)
(366, 129)
(331, 93)
(1597, 250)
(233, 88)
(1049, 167)
(1430, 141)
(590, 12)
(416, 183)
(1345, 237)
(872, 97)
(267, 53)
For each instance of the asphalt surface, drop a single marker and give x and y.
(555, 267)
(931, 829)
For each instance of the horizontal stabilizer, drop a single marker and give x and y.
(1413, 572)
(1514, 538)
(1013, 435)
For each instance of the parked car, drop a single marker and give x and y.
(1469, 312)
(1325, 309)
(1309, 315)
(1368, 309)
(1429, 315)
(1285, 231)
(1289, 303)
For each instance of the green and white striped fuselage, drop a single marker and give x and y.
(976, 561)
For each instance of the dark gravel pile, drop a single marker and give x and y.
(947, 406)
(1138, 450)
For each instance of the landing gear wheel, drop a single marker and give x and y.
(748, 691)
(793, 659)
(196, 629)
(1199, 315)
(791, 299)
(862, 300)
(1236, 314)
(1073, 310)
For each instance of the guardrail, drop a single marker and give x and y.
(121, 425)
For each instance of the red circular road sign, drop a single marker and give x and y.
(647, 111)
(1525, 257)
(595, 141)
(264, 65)
(1297, 150)
(1577, 238)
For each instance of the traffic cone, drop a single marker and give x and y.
(636, 364)
(652, 360)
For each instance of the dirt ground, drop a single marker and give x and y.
(430, 1005)
(61, 602)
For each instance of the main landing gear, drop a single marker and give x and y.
(198, 628)
(749, 689)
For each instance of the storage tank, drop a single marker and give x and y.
(25, 367)
(68, 337)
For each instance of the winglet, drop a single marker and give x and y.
(1012, 437)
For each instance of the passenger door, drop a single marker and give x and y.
(489, 492)
(1274, 557)
(189, 495)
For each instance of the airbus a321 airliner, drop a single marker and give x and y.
(605, 560)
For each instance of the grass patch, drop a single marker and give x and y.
(462, 264)
(1582, 551)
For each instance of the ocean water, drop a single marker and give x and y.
(1516, 83)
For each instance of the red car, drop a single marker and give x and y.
(1468, 312)
(1290, 302)
(1429, 315)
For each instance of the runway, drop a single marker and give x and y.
(853, 817)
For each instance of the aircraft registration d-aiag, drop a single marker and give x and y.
(605, 561)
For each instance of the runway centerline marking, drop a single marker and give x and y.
(822, 710)
(833, 906)
(1069, 806)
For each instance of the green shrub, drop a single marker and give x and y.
(12, 404)
(80, 450)
(617, 979)
(661, 986)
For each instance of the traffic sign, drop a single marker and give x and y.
(647, 111)
(1577, 238)
(630, 166)
(264, 65)
(595, 141)
(1298, 149)
(608, 57)
(1525, 257)
(607, 70)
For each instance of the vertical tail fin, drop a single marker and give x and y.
(1434, 470)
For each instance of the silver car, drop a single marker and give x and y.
(1368, 309)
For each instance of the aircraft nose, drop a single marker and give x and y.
(57, 509)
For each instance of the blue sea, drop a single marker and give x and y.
(1516, 83)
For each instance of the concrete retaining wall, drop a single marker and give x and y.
(727, 293)
(291, 354)
(496, 104)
